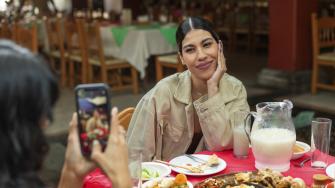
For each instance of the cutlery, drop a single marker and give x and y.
(201, 161)
(189, 168)
(196, 159)
(302, 163)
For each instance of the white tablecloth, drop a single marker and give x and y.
(137, 46)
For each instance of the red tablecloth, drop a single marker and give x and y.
(97, 180)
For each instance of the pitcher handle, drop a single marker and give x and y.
(250, 115)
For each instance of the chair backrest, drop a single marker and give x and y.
(323, 33)
(125, 117)
(83, 37)
(5, 30)
(26, 35)
(91, 37)
(55, 35)
(71, 35)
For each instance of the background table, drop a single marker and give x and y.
(137, 43)
(97, 179)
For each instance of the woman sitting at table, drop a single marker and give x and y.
(28, 94)
(190, 111)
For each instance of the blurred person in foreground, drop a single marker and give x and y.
(190, 111)
(28, 94)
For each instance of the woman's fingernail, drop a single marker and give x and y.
(114, 110)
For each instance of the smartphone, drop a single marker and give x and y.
(93, 109)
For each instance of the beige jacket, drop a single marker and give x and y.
(162, 124)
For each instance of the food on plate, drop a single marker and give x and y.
(213, 160)
(180, 181)
(195, 169)
(256, 179)
(320, 180)
(297, 183)
(297, 148)
(148, 174)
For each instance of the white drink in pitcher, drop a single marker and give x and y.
(272, 148)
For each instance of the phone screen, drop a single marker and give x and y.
(93, 115)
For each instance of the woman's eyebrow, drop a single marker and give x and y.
(207, 39)
(188, 46)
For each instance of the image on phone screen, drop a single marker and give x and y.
(93, 116)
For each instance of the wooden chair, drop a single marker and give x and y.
(110, 68)
(5, 31)
(167, 61)
(56, 46)
(323, 38)
(25, 34)
(125, 117)
(77, 55)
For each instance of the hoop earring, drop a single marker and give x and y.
(181, 59)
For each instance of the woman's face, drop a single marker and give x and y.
(199, 53)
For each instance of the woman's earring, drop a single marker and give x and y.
(182, 62)
(181, 59)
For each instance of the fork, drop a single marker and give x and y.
(302, 163)
(189, 168)
(200, 160)
(196, 159)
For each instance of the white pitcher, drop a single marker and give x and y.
(272, 135)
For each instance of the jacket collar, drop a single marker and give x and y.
(183, 91)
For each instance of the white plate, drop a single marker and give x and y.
(184, 161)
(306, 147)
(330, 171)
(151, 182)
(162, 169)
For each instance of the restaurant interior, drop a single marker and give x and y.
(276, 48)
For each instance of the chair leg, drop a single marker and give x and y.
(90, 73)
(119, 80)
(314, 77)
(84, 72)
(71, 64)
(63, 72)
(134, 80)
(104, 75)
(159, 71)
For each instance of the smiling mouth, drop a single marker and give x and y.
(203, 66)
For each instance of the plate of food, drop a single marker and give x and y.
(153, 170)
(330, 171)
(180, 181)
(299, 149)
(207, 165)
(256, 179)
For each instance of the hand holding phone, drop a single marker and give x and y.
(93, 109)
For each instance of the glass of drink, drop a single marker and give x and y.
(320, 140)
(241, 141)
(135, 167)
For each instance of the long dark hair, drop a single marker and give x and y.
(28, 91)
(193, 23)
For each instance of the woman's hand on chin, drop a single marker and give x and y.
(213, 82)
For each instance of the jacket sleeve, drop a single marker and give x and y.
(141, 130)
(214, 116)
